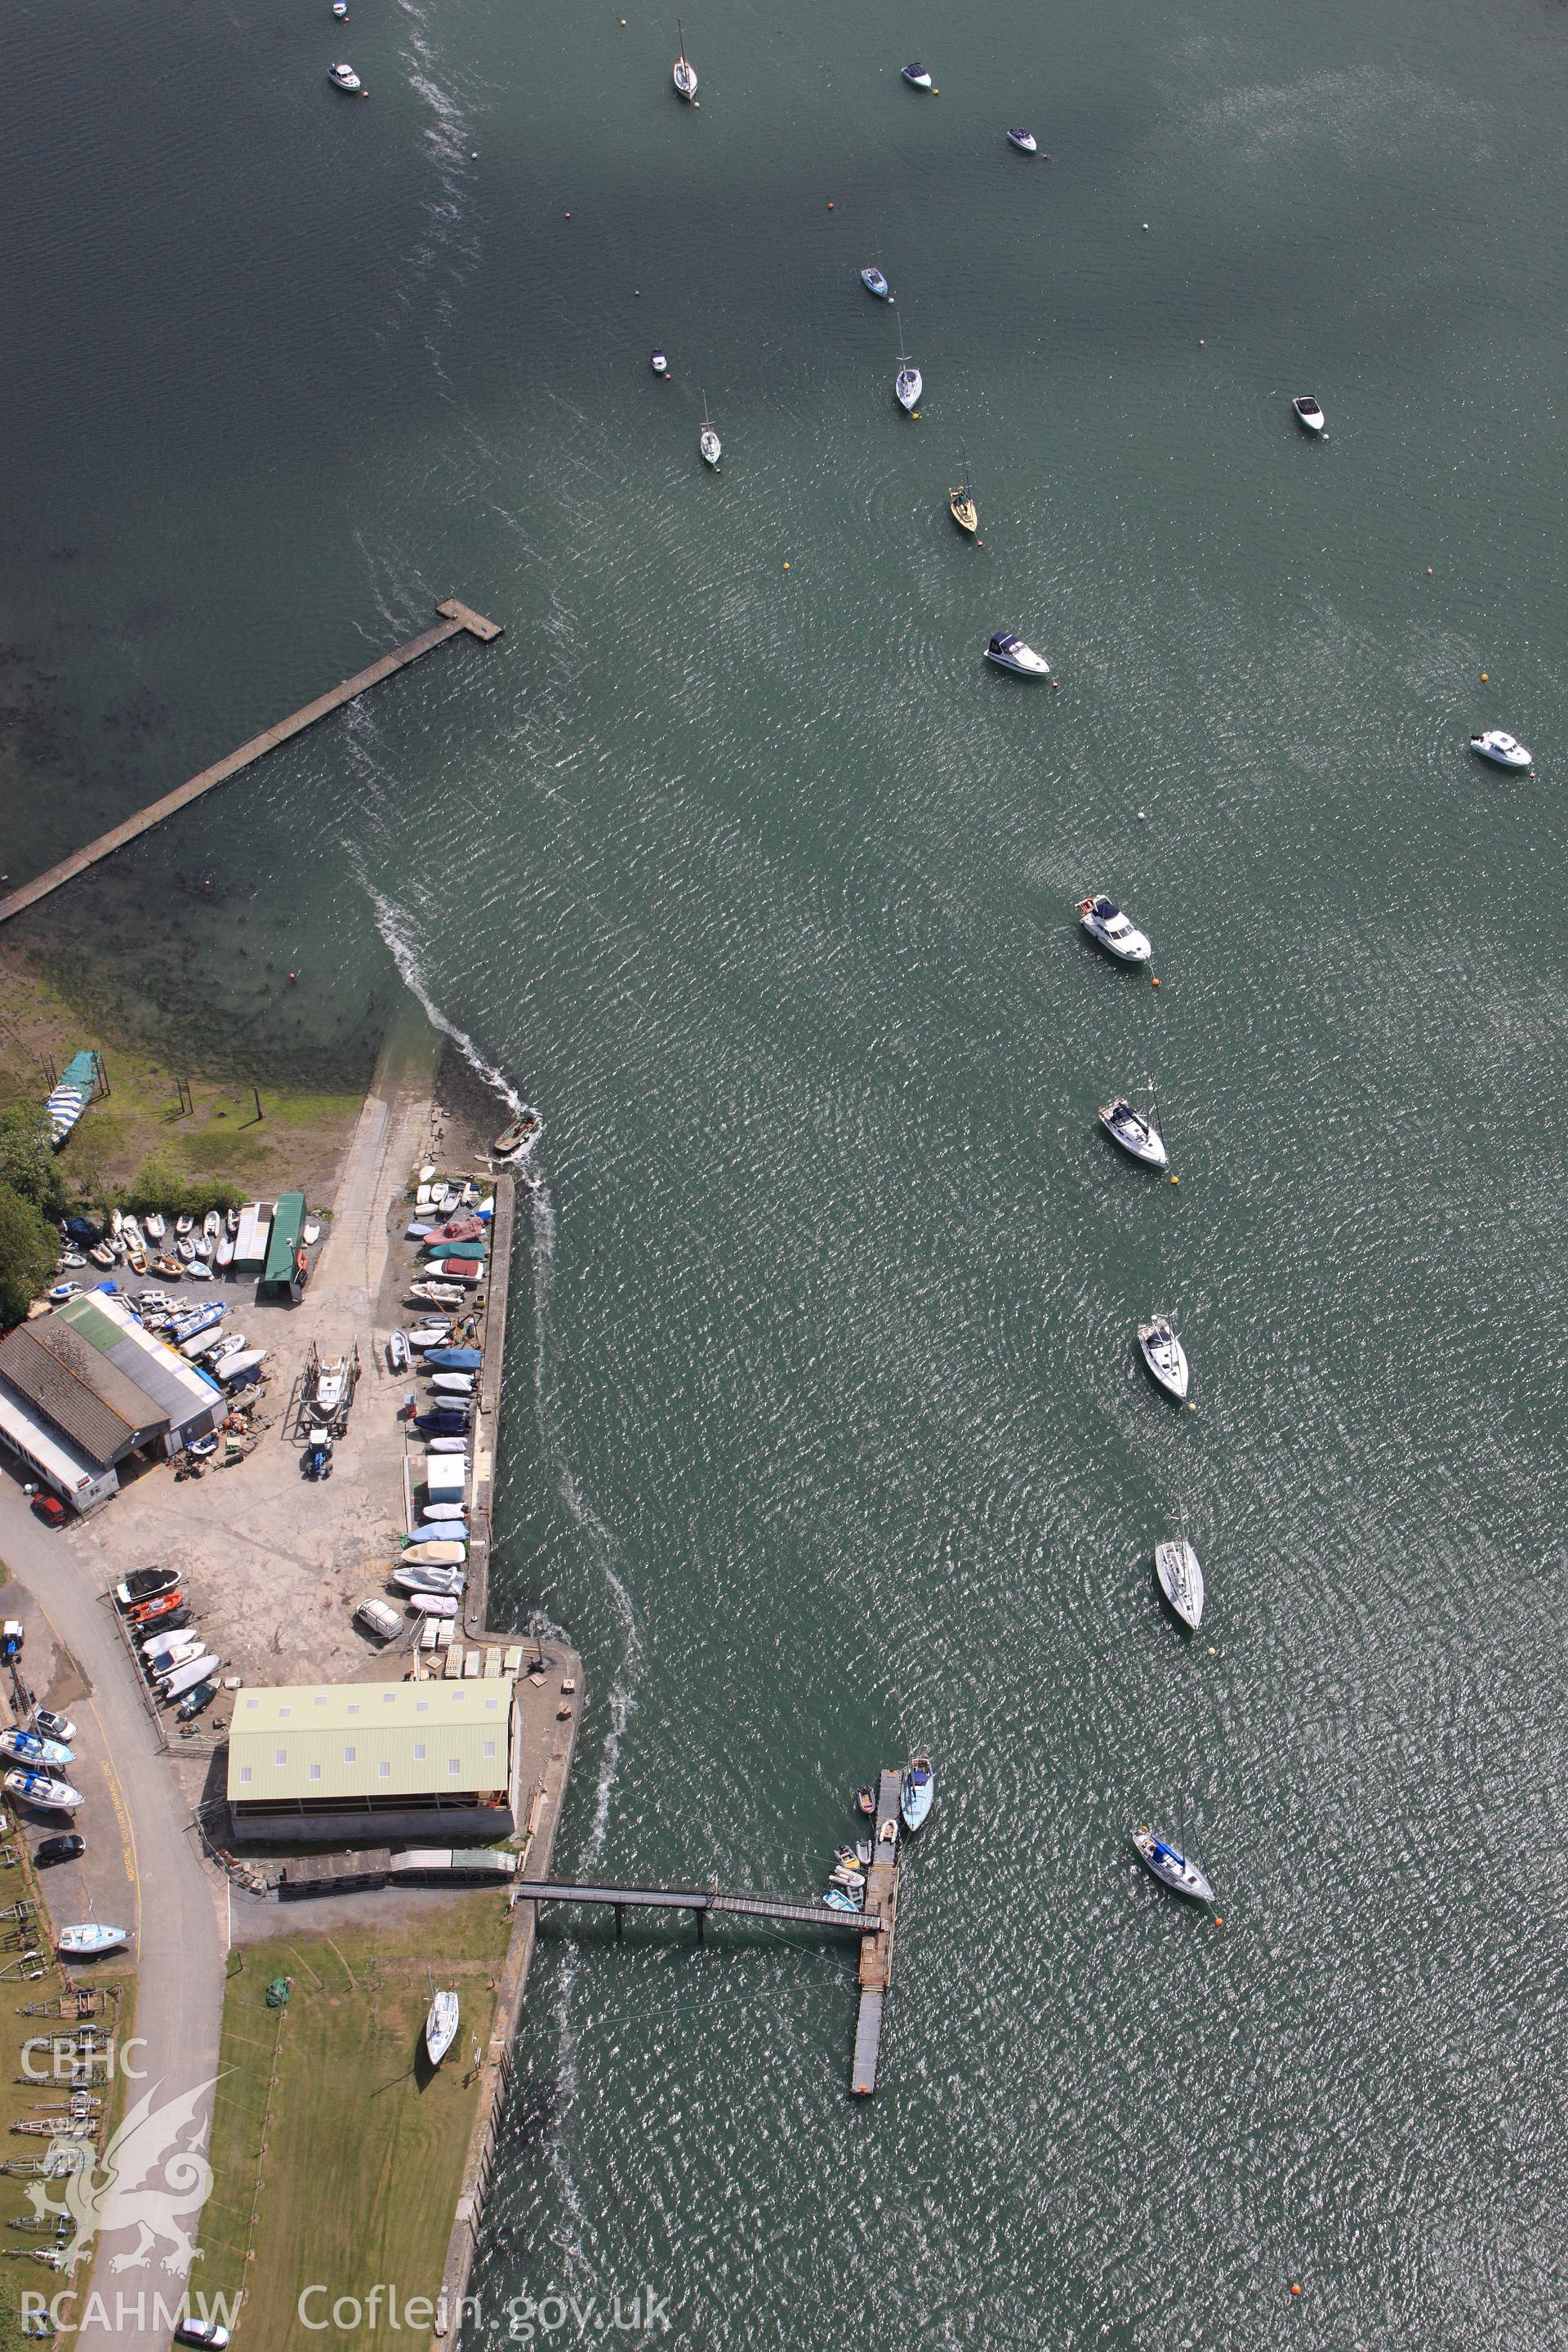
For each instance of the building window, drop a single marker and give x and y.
(454, 1765)
(490, 1751)
(354, 1706)
(383, 1771)
(284, 1711)
(280, 1755)
(315, 1771)
(421, 1707)
(349, 1755)
(245, 1771)
(419, 1751)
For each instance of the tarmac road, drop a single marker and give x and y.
(179, 1915)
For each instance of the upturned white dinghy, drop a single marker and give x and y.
(1103, 920)
(1181, 1580)
(1138, 1136)
(1165, 1355)
(1171, 1866)
(1502, 749)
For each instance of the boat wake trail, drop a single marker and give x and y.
(389, 922)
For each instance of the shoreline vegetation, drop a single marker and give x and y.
(139, 1146)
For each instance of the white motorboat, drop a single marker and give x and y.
(1103, 920)
(453, 1384)
(1139, 1137)
(340, 9)
(1309, 413)
(31, 1748)
(684, 75)
(1024, 140)
(42, 1789)
(212, 1233)
(909, 383)
(917, 76)
(344, 77)
(234, 1368)
(90, 1941)
(1502, 749)
(660, 366)
(1008, 651)
(875, 283)
(1171, 1866)
(332, 1382)
(1165, 1355)
(708, 441)
(313, 1233)
(235, 1344)
(1181, 1580)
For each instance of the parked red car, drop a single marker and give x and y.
(50, 1509)
(149, 1611)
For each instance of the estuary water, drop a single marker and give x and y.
(826, 1436)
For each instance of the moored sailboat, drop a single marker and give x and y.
(961, 501)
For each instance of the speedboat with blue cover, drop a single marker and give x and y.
(918, 1791)
(1103, 920)
(1008, 651)
(875, 283)
(917, 76)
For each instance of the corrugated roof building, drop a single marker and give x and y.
(110, 1388)
(320, 1764)
(99, 1406)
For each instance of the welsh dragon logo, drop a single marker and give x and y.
(151, 2179)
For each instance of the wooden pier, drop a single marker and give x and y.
(700, 1900)
(881, 1913)
(456, 621)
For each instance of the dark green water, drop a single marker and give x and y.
(826, 1436)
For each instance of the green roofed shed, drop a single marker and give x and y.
(281, 1275)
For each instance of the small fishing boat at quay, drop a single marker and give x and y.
(31, 1748)
(918, 1792)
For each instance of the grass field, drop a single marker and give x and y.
(297, 1143)
(337, 2153)
(21, 2100)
